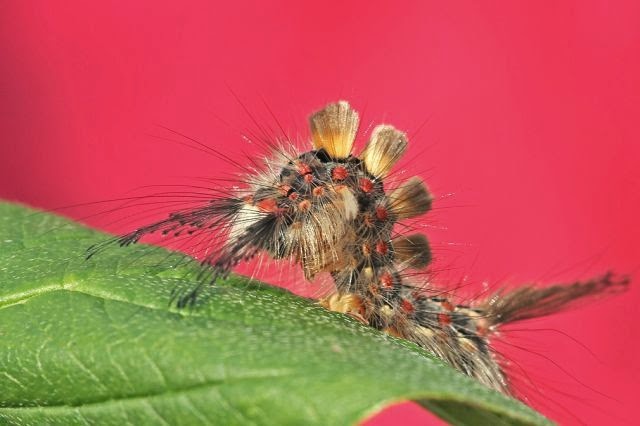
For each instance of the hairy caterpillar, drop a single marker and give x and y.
(333, 212)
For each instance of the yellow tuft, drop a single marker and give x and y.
(384, 149)
(334, 129)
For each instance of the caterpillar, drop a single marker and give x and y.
(333, 212)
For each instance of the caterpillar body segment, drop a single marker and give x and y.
(461, 334)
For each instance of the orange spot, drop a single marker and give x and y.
(318, 191)
(481, 328)
(448, 305)
(308, 178)
(407, 306)
(268, 205)
(381, 247)
(284, 189)
(303, 168)
(366, 185)
(381, 213)
(248, 199)
(366, 249)
(386, 280)
(366, 218)
(444, 319)
(304, 205)
(339, 173)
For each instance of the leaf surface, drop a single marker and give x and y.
(97, 342)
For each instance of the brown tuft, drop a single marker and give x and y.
(531, 302)
(413, 250)
(410, 199)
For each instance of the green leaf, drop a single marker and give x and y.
(96, 342)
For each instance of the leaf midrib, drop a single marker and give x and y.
(25, 296)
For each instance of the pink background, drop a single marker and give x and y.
(531, 113)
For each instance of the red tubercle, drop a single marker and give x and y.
(444, 319)
(339, 173)
(386, 281)
(382, 248)
(318, 191)
(293, 196)
(268, 205)
(382, 213)
(366, 185)
(481, 327)
(448, 306)
(304, 205)
(407, 306)
(308, 178)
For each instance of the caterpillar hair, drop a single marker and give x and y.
(334, 212)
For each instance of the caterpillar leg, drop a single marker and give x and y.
(348, 303)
